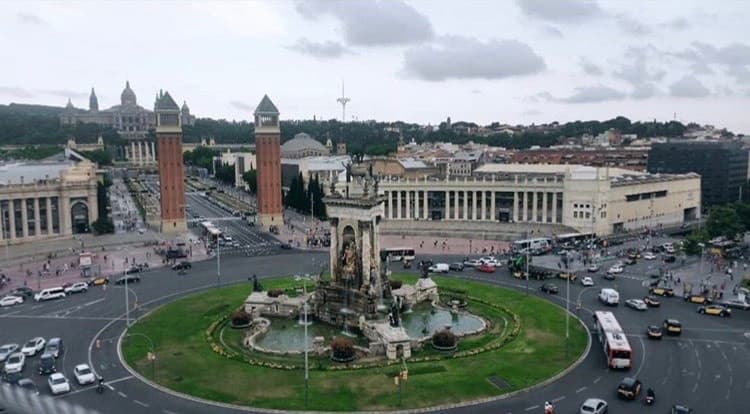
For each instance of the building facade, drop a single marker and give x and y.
(171, 171)
(268, 156)
(723, 166)
(599, 200)
(42, 200)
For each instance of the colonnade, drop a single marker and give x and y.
(140, 152)
(39, 217)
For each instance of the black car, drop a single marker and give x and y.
(133, 270)
(12, 378)
(132, 278)
(456, 267)
(670, 258)
(181, 266)
(654, 332)
(286, 246)
(629, 388)
(28, 385)
(22, 291)
(47, 364)
(609, 276)
(549, 288)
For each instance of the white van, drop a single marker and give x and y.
(439, 268)
(51, 293)
(609, 297)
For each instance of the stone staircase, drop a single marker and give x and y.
(488, 230)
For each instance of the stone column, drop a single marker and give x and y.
(332, 260)
(93, 208)
(447, 205)
(366, 255)
(50, 230)
(66, 227)
(493, 215)
(132, 152)
(390, 205)
(534, 201)
(515, 206)
(12, 218)
(24, 219)
(153, 151)
(140, 153)
(147, 150)
(554, 207)
(465, 213)
(426, 205)
(37, 223)
(544, 207)
(398, 204)
(457, 211)
(474, 202)
(525, 206)
(408, 204)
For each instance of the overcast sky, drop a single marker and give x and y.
(511, 61)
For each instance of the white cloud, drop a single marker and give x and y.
(563, 11)
(16, 91)
(30, 18)
(589, 67)
(242, 106)
(322, 50)
(457, 57)
(688, 87)
(589, 94)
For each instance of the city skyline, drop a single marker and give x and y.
(576, 60)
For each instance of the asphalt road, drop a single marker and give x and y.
(707, 368)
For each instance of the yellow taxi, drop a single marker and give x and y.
(716, 310)
(567, 276)
(672, 326)
(699, 299)
(101, 280)
(661, 291)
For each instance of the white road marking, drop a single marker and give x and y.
(580, 390)
(165, 411)
(122, 394)
(533, 407)
(558, 399)
(643, 357)
(729, 370)
(698, 361)
(143, 404)
(597, 379)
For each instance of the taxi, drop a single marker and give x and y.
(101, 280)
(567, 276)
(654, 332)
(699, 299)
(716, 310)
(629, 388)
(672, 327)
(652, 301)
(661, 291)
(520, 275)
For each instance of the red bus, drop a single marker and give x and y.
(613, 340)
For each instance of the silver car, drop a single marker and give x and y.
(594, 406)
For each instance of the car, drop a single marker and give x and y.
(83, 374)
(133, 270)
(587, 281)
(549, 288)
(653, 274)
(609, 276)
(99, 281)
(654, 332)
(652, 301)
(33, 346)
(58, 384)
(736, 304)
(636, 304)
(593, 406)
(228, 238)
(458, 266)
(15, 362)
(672, 327)
(629, 388)
(6, 350)
(520, 275)
(593, 268)
(681, 409)
(486, 268)
(11, 378)
(661, 291)
(699, 299)
(22, 291)
(78, 287)
(567, 276)
(716, 310)
(28, 385)
(630, 261)
(439, 268)
(181, 266)
(649, 256)
(489, 260)
(11, 300)
(670, 258)
(285, 246)
(616, 269)
(133, 278)
(472, 263)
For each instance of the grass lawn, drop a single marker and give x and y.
(186, 363)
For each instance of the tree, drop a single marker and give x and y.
(200, 157)
(103, 224)
(225, 174)
(101, 157)
(723, 221)
(297, 197)
(251, 179)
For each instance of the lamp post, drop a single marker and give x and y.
(567, 314)
(304, 279)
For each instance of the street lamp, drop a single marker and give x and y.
(304, 279)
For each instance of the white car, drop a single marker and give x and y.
(15, 363)
(593, 406)
(11, 300)
(649, 256)
(637, 304)
(58, 384)
(6, 350)
(490, 260)
(33, 346)
(587, 281)
(615, 269)
(472, 263)
(83, 374)
(78, 287)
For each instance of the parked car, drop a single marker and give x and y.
(472, 263)
(78, 287)
(636, 304)
(593, 268)
(132, 278)
(15, 363)
(133, 270)
(58, 384)
(33, 346)
(83, 374)
(609, 276)
(616, 269)
(652, 301)
(11, 300)
(182, 266)
(716, 310)
(22, 291)
(699, 299)
(439, 268)
(486, 268)
(549, 288)
(50, 293)
(458, 267)
(654, 332)
(649, 256)
(98, 281)
(6, 350)
(629, 388)
(593, 406)
(587, 281)
(489, 260)
(285, 246)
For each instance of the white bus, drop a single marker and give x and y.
(614, 342)
(571, 239)
(398, 254)
(540, 244)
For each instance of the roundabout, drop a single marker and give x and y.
(198, 354)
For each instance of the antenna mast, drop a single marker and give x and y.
(343, 100)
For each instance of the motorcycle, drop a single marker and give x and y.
(650, 397)
(100, 386)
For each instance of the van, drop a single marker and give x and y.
(54, 347)
(439, 268)
(609, 297)
(50, 293)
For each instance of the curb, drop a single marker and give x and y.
(248, 409)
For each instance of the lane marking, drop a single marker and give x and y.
(729, 370)
(142, 404)
(533, 407)
(698, 361)
(165, 411)
(558, 399)
(597, 379)
(580, 390)
(643, 357)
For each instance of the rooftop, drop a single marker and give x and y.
(302, 142)
(14, 172)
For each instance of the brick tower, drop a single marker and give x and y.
(171, 174)
(268, 158)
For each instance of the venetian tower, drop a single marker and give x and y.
(268, 156)
(171, 174)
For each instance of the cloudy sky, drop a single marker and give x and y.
(512, 61)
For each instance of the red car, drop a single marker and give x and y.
(486, 268)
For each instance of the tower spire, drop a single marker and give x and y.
(343, 100)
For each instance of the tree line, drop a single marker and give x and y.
(299, 197)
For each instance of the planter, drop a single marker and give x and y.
(444, 348)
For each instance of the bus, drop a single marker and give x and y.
(397, 254)
(571, 239)
(537, 245)
(614, 342)
(210, 232)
